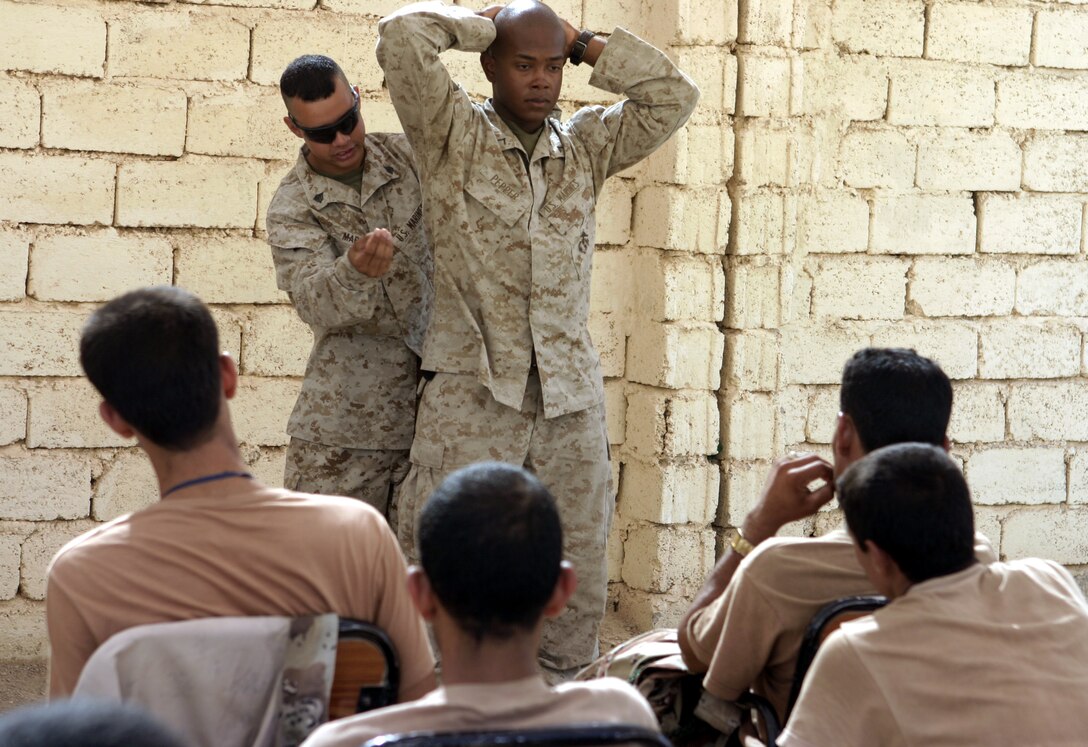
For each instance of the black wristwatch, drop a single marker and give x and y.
(578, 49)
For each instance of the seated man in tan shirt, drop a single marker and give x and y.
(745, 626)
(965, 653)
(490, 544)
(218, 543)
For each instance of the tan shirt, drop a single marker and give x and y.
(523, 704)
(750, 636)
(993, 655)
(359, 391)
(514, 231)
(259, 551)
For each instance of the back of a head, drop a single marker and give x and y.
(311, 77)
(912, 501)
(153, 355)
(83, 723)
(894, 395)
(491, 544)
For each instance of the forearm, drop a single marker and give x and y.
(329, 292)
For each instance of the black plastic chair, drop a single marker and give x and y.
(560, 736)
(367, 674)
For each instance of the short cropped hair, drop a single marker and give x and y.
(83, 723)
(153, 355)
(894, 395)
(912, 501)
(491, 544)
(311, 77)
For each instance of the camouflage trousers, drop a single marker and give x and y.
(372, 475)
(459, 423)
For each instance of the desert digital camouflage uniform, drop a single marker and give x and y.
(352, 425)
(517, 376)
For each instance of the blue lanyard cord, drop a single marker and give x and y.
(207, 478)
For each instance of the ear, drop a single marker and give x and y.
(228, 372)
(564, 588)
(113, 419)
(487, 62)
(946, 444)
(842, 443)
(419, 589)
(291, 126)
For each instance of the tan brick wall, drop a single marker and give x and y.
(907, 175)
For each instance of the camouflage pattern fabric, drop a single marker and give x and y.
(372, 475)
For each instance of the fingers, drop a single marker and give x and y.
(376, 255)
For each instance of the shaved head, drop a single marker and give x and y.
(525, 16)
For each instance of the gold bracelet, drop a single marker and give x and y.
(740, 545)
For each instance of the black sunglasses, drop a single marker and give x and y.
(346, 124)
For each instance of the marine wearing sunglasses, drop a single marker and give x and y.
(332, 129)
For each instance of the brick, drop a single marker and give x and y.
(1078, 477)
(729, 75)
(886, 28)
(678, 219)
(877, 158)
(954, 346)
(742, 484)
(613, 282)
(764, 85)
(667, 423)
(695, 155)
(852, 87)
(179, 45)
(14, 262)
(966, 161)
(64, 414)
(261, 409)
(963, 32)
(961, 287)
(748, 426)
(194, 192)
(613, 212)
(56, 189)
(1048, 412)
(1053, 288)
(10, 551)
(683, 22)
(97, 266)
(978, 413)
(833, 222)
(760, 224)
(247, 123)
(822, 416)
(1037, 101)
(229, 270)
(933, 93)
(923, 224)
(1017, 476)
(1012, 349)
(52, 39)
(39, 549)
(230, 331)
(676, 356)
(837, 293)
(614, 552)
(23, 634)
(43, 487)
(615, 408)
(268, 465)
(641, 611)
(765, 22)
(815, 354)
(128, 484)
(1056, 533)
(675, 287)
(1029, 224)
(13, 412)
(1059, 38)
(670, 493)
(276, 343)
(373, 8)
(774, 155)
(20, 125)
(657, 558)
(40, 343)
(988, 523)
(751, 361)
(267, 184)
(752, 296)
(280, 39)
(85, 116)
(706, 65)
(1056, 163)
(610, 341)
